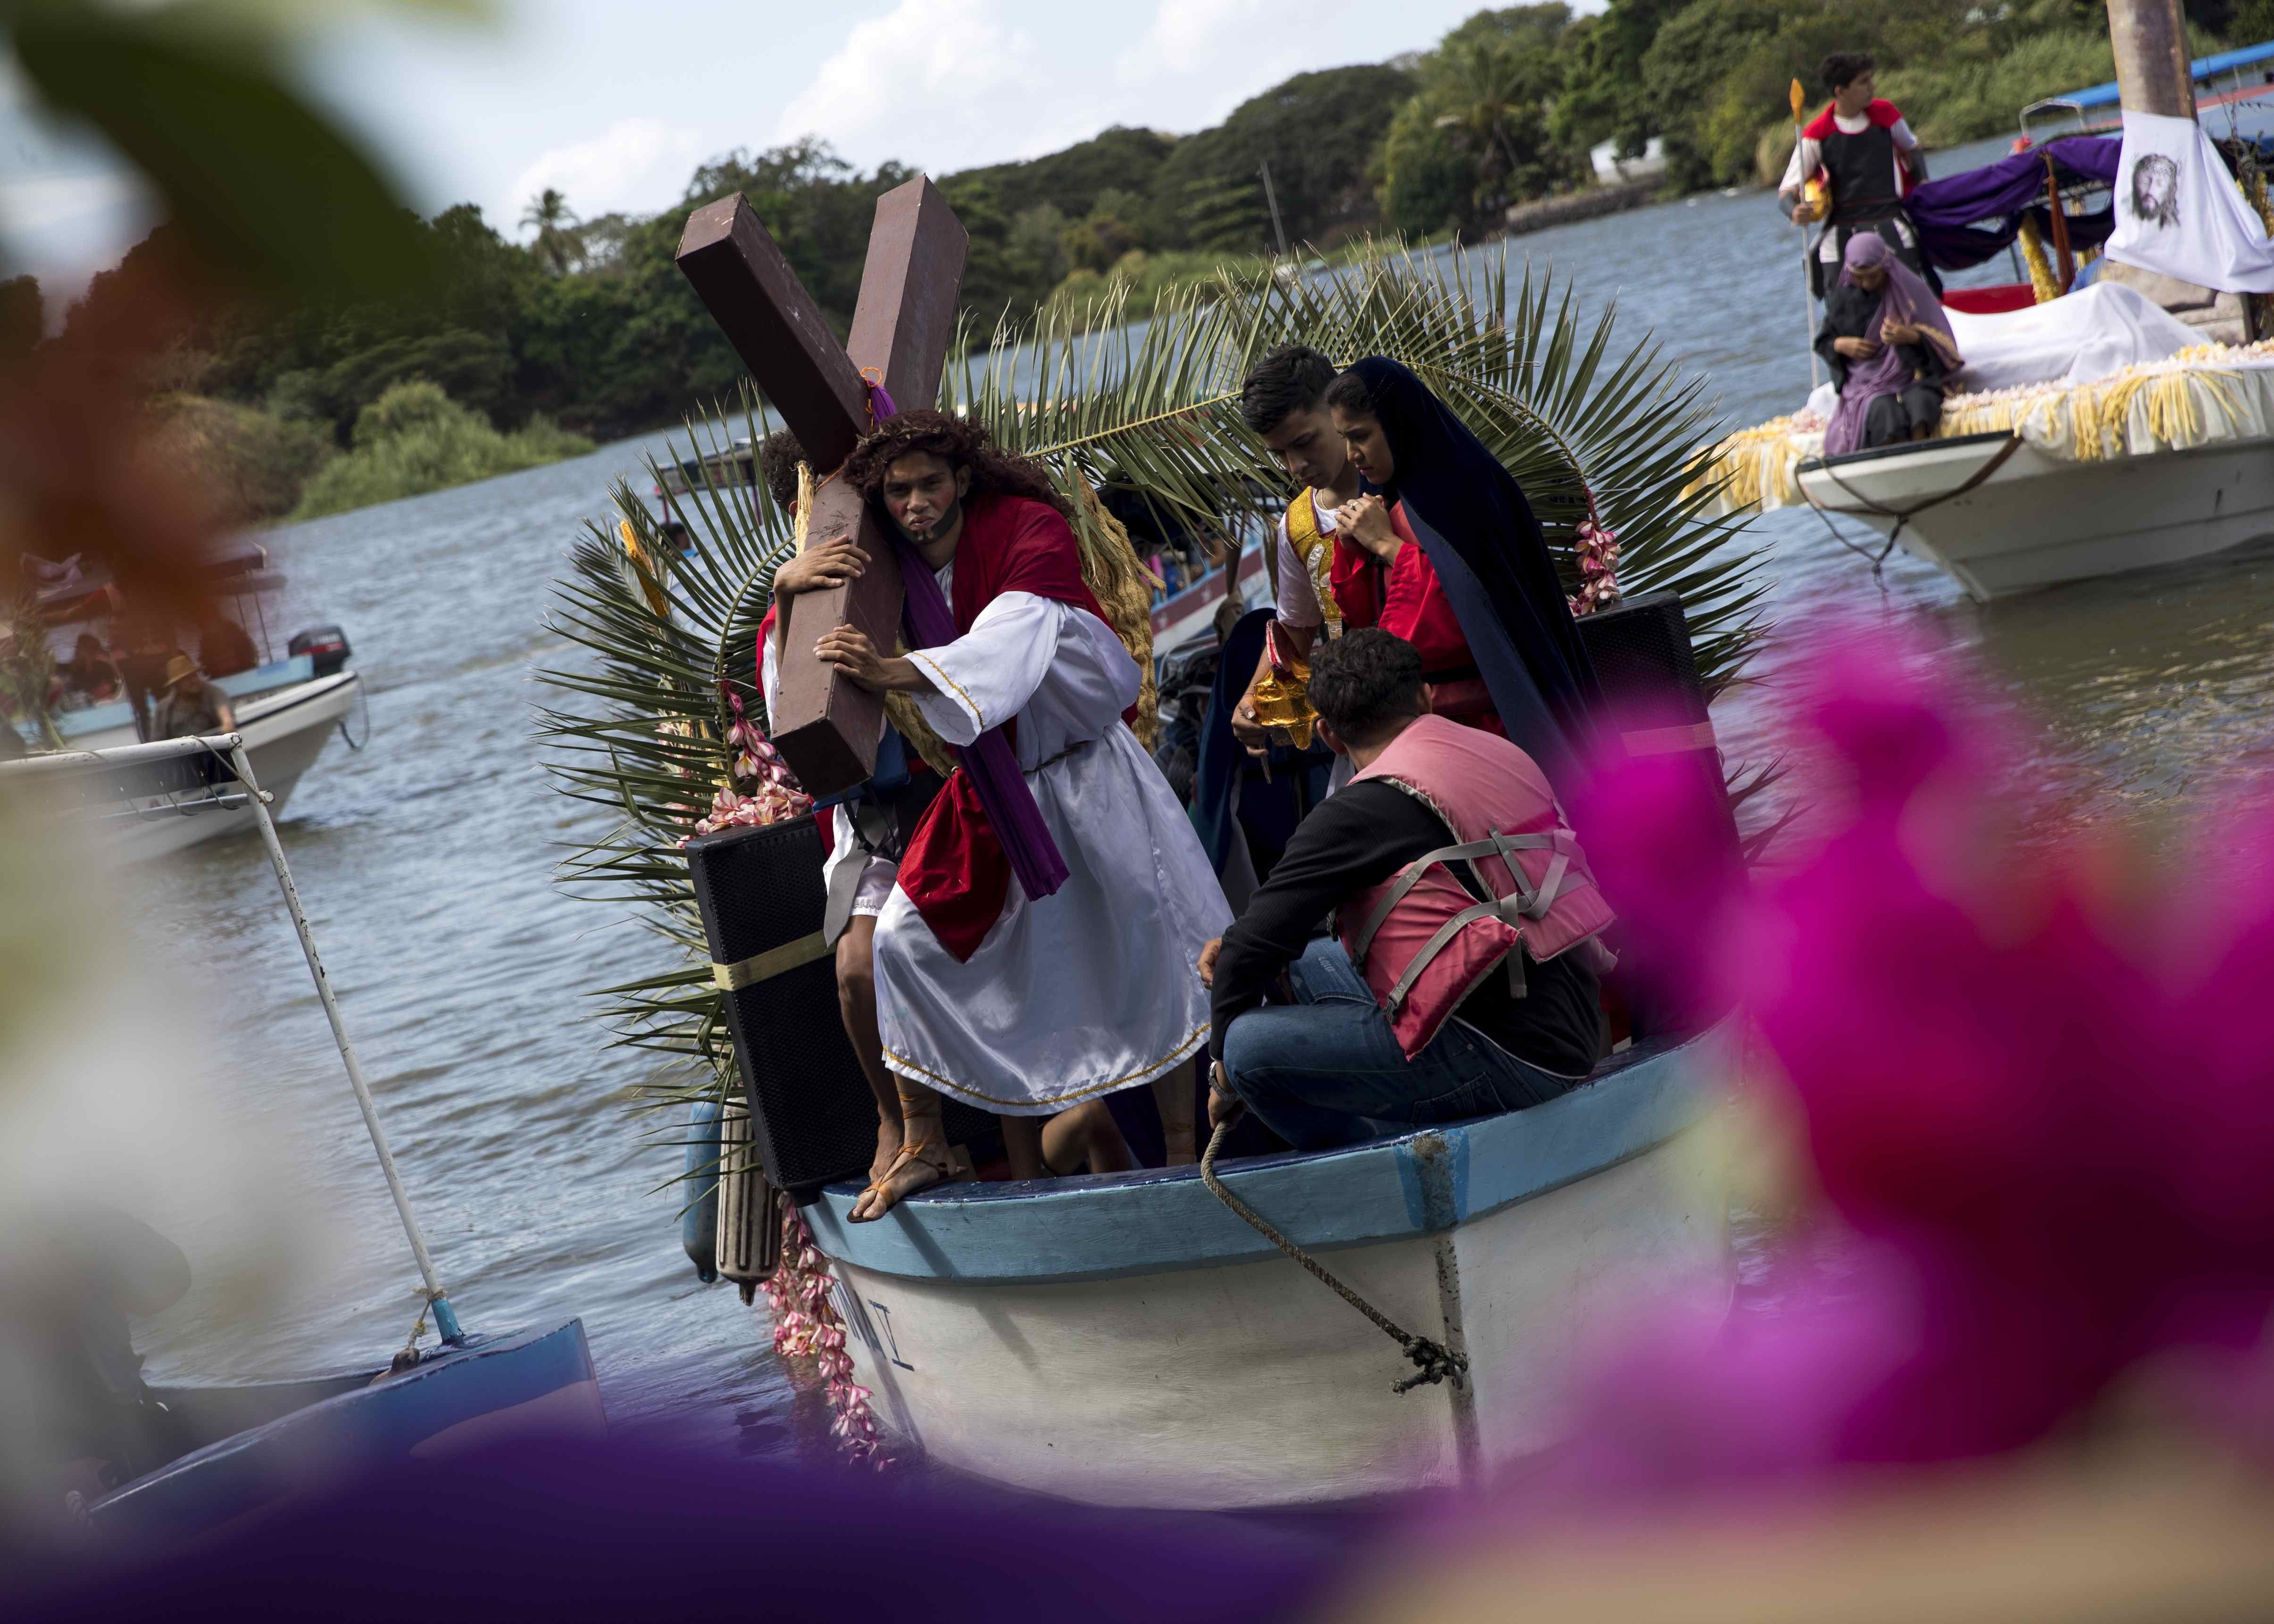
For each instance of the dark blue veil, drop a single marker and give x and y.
(1477, 529)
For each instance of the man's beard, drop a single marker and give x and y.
(947, 520)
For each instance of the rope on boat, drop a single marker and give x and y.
(1434, 1362)
(1900, 515)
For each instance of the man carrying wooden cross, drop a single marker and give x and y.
(1023, 1005)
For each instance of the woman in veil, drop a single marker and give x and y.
(1443, 550)
(1890, 350)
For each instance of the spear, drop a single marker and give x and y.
(1807, 304)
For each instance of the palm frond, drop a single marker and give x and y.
(1591, 426)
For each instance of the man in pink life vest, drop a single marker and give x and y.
(1461, 980)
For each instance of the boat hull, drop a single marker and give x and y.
(285, 733)
(1193, 1366)
(2040, 521)
(534, 1384)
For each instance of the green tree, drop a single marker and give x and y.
(23, 317)
(1317, 131)
(557, 243)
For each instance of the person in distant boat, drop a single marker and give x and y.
(1032, 1008)
(1461, 980)
(223, 647)
(1890, 348)
(1442, 549)
(90, 677)
(1864, 151)
(190, 704)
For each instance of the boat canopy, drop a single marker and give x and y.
(2203, 68)
(1965, 218)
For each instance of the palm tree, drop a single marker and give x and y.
(1591, 429)
(556, 242)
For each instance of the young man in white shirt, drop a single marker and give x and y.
(1284, 400)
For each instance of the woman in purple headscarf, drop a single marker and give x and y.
(1889, 347)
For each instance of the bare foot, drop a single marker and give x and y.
(888, 1147)
(921, 1163)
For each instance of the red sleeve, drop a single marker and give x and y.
(1415, 606)
(1351, 577)
(1819, 126)
(1885, 115)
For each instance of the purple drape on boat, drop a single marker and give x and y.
(1035, 857)
(1966, 218)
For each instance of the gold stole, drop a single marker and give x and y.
(1316, 548)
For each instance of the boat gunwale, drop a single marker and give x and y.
(1160, 1221)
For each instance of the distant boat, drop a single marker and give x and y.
(287, 709)
(2247, 72)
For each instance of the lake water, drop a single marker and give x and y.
(427, 858)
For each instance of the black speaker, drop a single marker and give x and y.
(1643, 659)
(811, 1113)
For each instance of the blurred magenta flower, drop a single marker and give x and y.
(2031, 1081)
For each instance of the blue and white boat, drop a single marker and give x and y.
(1127, 1340)
(226, 1454)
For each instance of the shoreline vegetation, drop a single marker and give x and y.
(587, 332)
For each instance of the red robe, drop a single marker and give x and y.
(1010, 544)
(1407, 600)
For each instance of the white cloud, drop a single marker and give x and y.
(943, 82)
(626, 167)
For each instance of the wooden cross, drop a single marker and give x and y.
(826, 725)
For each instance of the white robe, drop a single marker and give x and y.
(1093, 988)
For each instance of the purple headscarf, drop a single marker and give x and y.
(1910, 299)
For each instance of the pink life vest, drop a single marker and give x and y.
(1422, 941)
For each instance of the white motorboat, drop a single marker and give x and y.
(287, 714)
(2003, 515)
(287, 710)
(1128, 1341)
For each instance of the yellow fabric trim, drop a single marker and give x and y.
(1303, 531)
(1184, 1051)
(933, 666)
(764, 966)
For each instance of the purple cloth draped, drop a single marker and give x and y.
(1909, 296)
(1035, 860)
(1966, 218)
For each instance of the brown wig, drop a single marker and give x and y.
(961, 444)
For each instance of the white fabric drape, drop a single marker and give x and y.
(2087, 335)
(2179, 212)
(1093, 988)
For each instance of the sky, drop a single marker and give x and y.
(616, 101)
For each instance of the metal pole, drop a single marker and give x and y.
(446, 1322)
(1808, 316)
(1272, 198)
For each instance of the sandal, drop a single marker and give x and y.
(943, 1162)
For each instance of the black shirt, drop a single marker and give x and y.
(1358, 837)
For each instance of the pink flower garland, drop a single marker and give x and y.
(807, 1325)
(773, 796)
(1599, 563)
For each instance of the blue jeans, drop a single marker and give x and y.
(1327, 1069)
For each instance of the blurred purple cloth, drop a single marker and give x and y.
(1966, 218)
(616, 1531)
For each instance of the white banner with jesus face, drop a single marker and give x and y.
(2179, 212)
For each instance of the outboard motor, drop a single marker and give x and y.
(327, 645)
